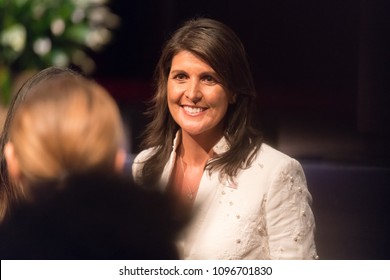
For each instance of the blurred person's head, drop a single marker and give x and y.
(8, 192)
(65, 125)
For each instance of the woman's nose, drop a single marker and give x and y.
(194, 92)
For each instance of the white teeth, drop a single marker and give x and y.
(193, 110)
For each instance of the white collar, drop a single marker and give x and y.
(221, 147)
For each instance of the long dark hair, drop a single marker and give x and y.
(218, 46)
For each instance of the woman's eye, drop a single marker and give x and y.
(209, 79)
(180, 76)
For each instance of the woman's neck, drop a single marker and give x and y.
(197, 150)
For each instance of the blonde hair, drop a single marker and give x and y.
(66, 126)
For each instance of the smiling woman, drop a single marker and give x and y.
(198, 104)
(248, 200)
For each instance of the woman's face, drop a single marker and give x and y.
(196, 99)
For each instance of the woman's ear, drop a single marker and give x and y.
(233, 98)
(120, 160)
(12, 161)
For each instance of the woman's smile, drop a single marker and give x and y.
(193, 111)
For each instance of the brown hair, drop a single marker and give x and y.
(218, 46)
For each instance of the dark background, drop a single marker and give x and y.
(322, 71)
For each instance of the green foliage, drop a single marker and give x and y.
(35, 34)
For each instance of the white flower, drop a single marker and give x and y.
(42, 46)
(57, 26)
(60, 59)
(97, 38)
(98, 14)
(78, 15)
(87, 3)
(98, 2)
(14, 37)
(103, 16)
(81, 59)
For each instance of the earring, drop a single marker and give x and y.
(233, 99)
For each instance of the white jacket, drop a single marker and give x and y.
(264, 214)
